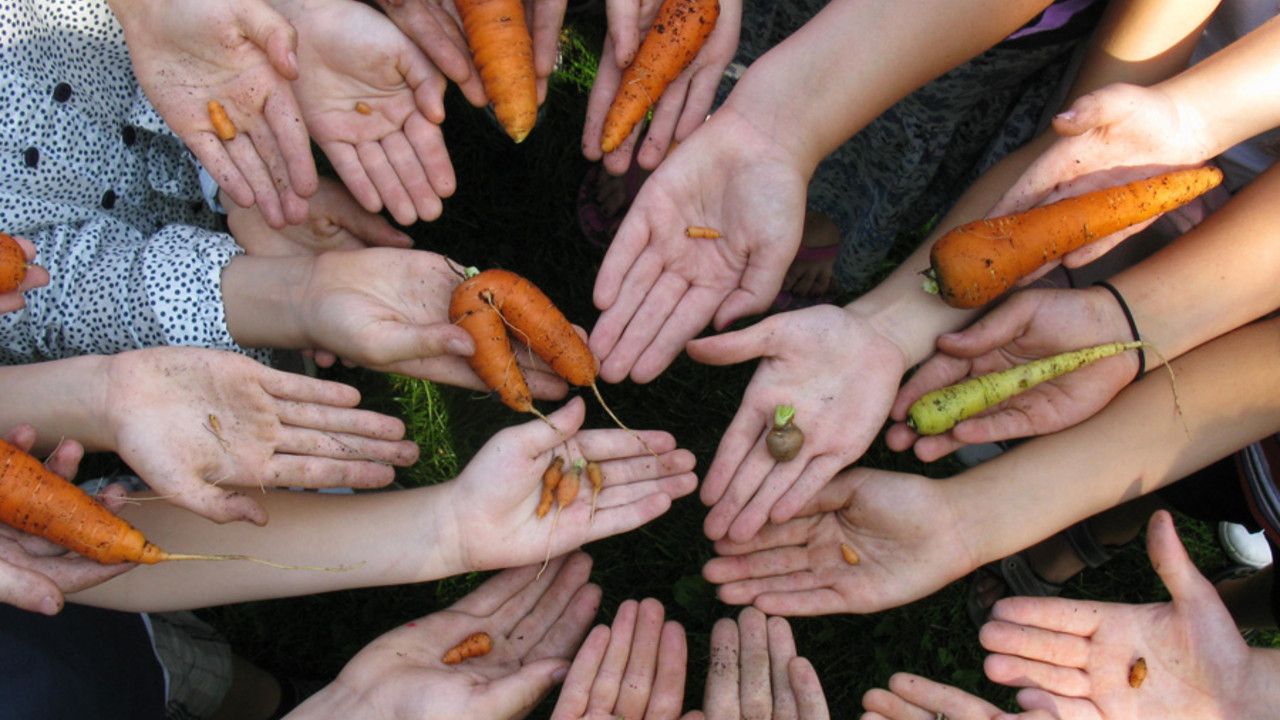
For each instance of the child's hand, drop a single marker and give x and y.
(430, 25)
(493, 500)
(535, 620)
(34, 573)
(36, 277)
(335, 221)
(755, 672)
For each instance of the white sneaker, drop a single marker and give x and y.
(1244, 547)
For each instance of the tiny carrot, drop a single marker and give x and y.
(938, 411)
(363, 108)
(977, 262)
(221, 122)
(698, 231)
(13, 264)
(550, 480)
(596, 475)
(475, 645)
(1138, 673)
(39, 502)
(502, 49)
(850, 555)
(566, 492)
(678, 33)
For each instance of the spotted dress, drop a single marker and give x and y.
(109, 195)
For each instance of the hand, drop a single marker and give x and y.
(34, 573)
(334, 222)
(657, 288)
(755, 673)
(439, 35)
(1110, 136)
(685, 103)
(190, 420)
(633, 669)
(1074, 656)
(911, 696)
(394, 155)
(388, 310)
(240, 53)
(907, 540)
(493, 499)
(839, 374)
(1029, 325)
(36, 277)
(536, 623)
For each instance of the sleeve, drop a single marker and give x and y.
(112, 289)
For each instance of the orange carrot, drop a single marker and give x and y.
(502, 49)
(596, 476)
(678, 32)
(363, 108)
(38, 501)
(221, 122)
(849, 554)
(977, 262)
(698, 231)
(566, 492)
(550, 480)
(475, 645)
(13, 264)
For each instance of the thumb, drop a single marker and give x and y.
(730, 348)
(29, 590)
(993, 330)
(271, 31)
(624, 34)
(556, 427)
(413, 342)
(516, 694)
(1089, 111)
(1172, 564)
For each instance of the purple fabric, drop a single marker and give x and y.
(1055, 16)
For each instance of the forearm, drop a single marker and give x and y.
(365, 540)
(61, 399)
(856, 58)
(261, 296)
(1227, 395)
(1218, 276)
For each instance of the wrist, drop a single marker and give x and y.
(262, 299)
(1127, 329)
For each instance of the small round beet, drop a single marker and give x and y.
(784, 439)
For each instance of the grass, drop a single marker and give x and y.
(515, 208)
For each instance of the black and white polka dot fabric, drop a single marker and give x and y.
(109, 195)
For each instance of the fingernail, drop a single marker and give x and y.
(457, 346)
(49, 606)
(1066, 115)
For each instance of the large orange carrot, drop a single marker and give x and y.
(13, 264)
(39, 502)
(678, 32)
(502, 50)
(975, 263)
(487, 303)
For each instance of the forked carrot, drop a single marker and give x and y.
(38, 501)
(566, 493)
(222, 124)
(13, 264)
(977, 262)
(550, 480)
(678, 33)
(502, 49)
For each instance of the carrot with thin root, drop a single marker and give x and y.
(486, 304)
(977, 262)
(678, 33)
(596, 475)
(706, 233)
(502, 49)
(13, 264)
(475, 645)
(566, 493)
(550, 480)
(222, 124)
(940, 410)
(39, 502)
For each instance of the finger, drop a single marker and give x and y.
(936, 697)
(782, 650)
(218, 505)
(1174, 566)
(667, 697)
(755, 691)
(816, 476)
(514, 695)
(624, 278)
(605, 446)
(403, 342)
(720, 698)
(367, 424)
(29, 590)
(653, 311)
(673, 486)
(565, 635)
(1063, 615)
(548, 17)
(1035, 643)
(811, 703)
(818, 601)
(642, 663)
(623, 21)
(310, 471)
(284, 118)
(383, 176)
(65, 459)
(1043, 705)
(412, 176)
(69, 575)
(739, 438)
(528, 615)
(429, 146)
(688, 319)
(1021, 672)
(245, 152)
(788, 536)
(268, 29)
(346, 163)
(576, 691)
(616, 520)
(746, 483)
(608, 682)
(301, 389)
(215, 158)
(499, 589)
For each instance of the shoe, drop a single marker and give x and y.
(1244, 547)
(598, 225)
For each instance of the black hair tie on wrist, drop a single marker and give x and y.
(1133, 326)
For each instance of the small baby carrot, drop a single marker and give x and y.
(475, 645)
(550, 479)
(363, 108)
(698, 231)
(850, 555)
(596, 476)
(221, 123)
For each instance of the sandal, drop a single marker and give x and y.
(598, 225)
(1020, 579)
